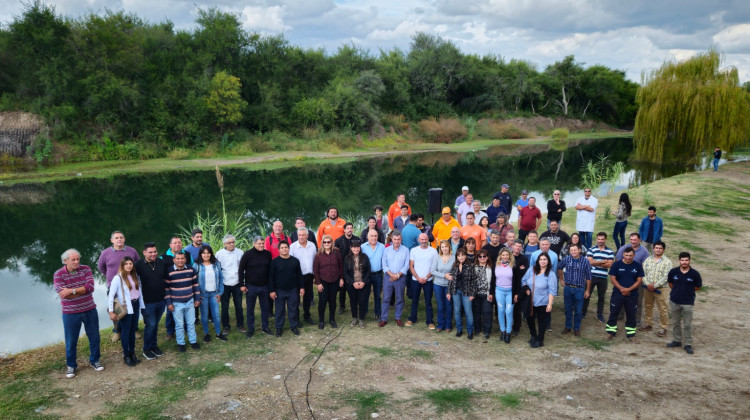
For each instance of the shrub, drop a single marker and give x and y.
(178, 153)
(491, 129)
(444, 130)
(559, 134)
(398, 122)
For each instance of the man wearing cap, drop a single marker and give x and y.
(586, 216)
(523, 200)
(443, 227)
(464, 208)
(461, 198)
(504, 196)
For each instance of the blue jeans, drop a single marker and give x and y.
(287, 300)
(716, 164)
(209, 303)
(184, 314)
(459, 299)
(586, 238)
(151, 316)
(573, 303)
(376, 279)
(261, 293)
(127, 330)
(619, 233)
(72, 326)
(444, 308)
(416, 290)
(169, 323)
(504, 297)
(391, 288)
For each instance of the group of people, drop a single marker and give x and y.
(474, 271)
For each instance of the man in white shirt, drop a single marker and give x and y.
(229, 258)
(586, 216)
(464, 208)
(420, 265)
(304, 250)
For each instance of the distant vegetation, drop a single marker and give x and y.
(114, 86)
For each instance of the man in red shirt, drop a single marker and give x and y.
(332, 225)
(276, 236)
(395, 210)
(529, 219)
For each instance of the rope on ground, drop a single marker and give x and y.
(307, 387)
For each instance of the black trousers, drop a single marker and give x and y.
(342, 297)
(358, 299)
(328, 298)
(482, 310)
(308, 298)
(236, 294)
(542, 318)
(600, 283)
(520, 308)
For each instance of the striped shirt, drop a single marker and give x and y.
(656, 272)
(597, 254)
(80, 302)
(182, 285)
(577, 271)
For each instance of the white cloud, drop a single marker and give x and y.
(264, 19)
(734, 39)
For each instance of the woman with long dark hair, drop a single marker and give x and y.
(211, 282)
(575, 238)
(482, 304)
(357, 279)
(126, 288)
(624, 208)
(461, 292)
(540, 284)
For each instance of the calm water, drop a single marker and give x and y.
(40, 221)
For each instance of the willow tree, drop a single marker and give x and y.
(688, 108)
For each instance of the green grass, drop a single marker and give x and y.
(400, 378)
(173, 384)
(705, 289)
(382, 351)
(22, 397)
(451, 399)
(510, 400)
(683, 244)
(365, 402)
(595, 344)
(421, 354)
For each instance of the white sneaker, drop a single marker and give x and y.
(97, 366)
(70, 373)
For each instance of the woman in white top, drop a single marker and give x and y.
(211, 281)
(126, 289)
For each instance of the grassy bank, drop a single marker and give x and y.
(267, 160)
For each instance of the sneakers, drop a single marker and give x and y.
(295, 331)
(645, 328)
(431, 326)
(600, 319)
(689, 349)
(225, 331)
(149, 355)
(242, 330)
(70, 372)
(207, 338)
(97, 366)
(195, 346)
(222, 337)
(354, 322)
(157, 352)
(115, 337)
(662, 332)
(409, 323)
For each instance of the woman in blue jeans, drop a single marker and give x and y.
(126, 288)
(621, 216)
(212, 286)
(506, 292)
(461, 292)
(441, 273)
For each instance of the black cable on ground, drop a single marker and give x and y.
(307, 387)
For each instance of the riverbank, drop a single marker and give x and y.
(277, 160)
(414, 372)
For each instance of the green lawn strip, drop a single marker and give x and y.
(365, 401)
(451, 399)
(173, 384)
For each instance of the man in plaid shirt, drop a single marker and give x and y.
(577, 281)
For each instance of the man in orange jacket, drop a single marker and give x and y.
(332, 225)
(395, 210)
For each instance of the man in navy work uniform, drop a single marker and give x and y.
(684, 282)
(626, 276)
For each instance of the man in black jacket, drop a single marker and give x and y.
(152, 271)
(285, 285)
(253, 277)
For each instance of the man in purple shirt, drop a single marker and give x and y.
(109, 263)
(74, 284)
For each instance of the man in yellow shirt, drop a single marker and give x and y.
(442, 228)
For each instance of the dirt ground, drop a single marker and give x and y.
(567, 378)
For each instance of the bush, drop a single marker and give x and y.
(397, 122)
(444, 130)
(559, 134)
(178, 153)
(491, 129)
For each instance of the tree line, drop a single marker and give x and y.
(114, 77)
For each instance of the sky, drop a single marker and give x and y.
(633, 36)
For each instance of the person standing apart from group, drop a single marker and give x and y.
(586, 216)
(684, 282)
(126, 289)
(717, 158)
(74, 284)
(624, 208)
(651, 228)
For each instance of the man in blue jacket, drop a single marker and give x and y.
(651, 229)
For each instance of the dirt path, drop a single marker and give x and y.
(568, 378)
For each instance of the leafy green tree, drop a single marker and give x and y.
(687, 108)
(434, 73)
(563, 82)
(224, 100)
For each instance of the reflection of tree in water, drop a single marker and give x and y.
(83, 213)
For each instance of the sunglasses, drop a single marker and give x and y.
(482, 256)
(326, 242)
